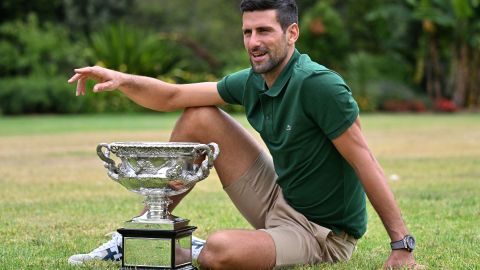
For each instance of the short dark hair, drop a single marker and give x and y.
(287, 11)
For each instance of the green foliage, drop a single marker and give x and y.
(87, 16)
(49, 10)
(128, 49)
(463, 9)
(427, 45)
(360, 74)
(323, 35)
(40, 94)
(26, 47)
(37, 94)
(33, 55)
(214, 26)
(390, 27)
(365, 34)
(448, 53)
(168, 56)
(370, 75)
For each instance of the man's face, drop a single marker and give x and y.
(265, 41)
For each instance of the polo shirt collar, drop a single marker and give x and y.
(283, 78)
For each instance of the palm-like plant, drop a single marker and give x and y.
(449, 51)
(128, 49)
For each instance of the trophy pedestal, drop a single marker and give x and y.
(148, 249)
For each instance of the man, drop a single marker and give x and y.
(306, 199)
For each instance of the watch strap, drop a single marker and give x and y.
(407, 243)
(400, 244)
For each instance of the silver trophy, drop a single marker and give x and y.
(157, 170)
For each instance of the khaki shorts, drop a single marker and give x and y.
(297, 240)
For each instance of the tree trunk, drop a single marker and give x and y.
(434, 71)
(461, 76)
(473, 97)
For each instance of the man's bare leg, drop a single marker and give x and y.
(238, 249)
(228, 249)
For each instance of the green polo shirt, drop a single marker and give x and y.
(307, 107)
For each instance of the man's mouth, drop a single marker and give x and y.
(258, 55)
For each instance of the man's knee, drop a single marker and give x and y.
(216, 253)
(194, 120)
(199, 115)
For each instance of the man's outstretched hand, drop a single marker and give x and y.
(106, 79)
(402, 259)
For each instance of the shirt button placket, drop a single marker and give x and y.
(269, 118)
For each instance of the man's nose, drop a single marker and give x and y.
(253, 41)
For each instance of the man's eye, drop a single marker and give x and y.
(263, 30)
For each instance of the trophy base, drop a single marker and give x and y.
(149, 249)
(143, 222)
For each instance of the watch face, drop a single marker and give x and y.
(410, 242)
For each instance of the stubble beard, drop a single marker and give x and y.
(271, 64)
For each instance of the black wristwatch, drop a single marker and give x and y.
(408, 243)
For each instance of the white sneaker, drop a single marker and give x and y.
(197, 246)
(110, 251)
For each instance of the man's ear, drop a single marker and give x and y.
(293, 32)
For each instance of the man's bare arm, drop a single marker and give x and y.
(148, 92)
(353, 147)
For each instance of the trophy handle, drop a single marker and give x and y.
(204, 169)
(211, 156)
(109, 163)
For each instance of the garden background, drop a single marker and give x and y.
(397, 55)
(419, 57)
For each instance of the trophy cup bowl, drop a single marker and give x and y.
(157, 170)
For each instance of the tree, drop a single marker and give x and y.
(323, 35)
(449, 49)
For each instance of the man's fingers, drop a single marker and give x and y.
(75, 78)
(79, 85)
(85, 70)
(95, 71)
(108, 85)
(82, 83)
(104, 77)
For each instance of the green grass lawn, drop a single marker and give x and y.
(56, 198)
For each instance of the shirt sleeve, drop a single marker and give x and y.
(328, 101)
(232, 87)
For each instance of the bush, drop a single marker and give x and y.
(398, 97)
(323, 35)
(127, 49)
(373, 78)
(34, 94)
(27, 48)
(20, 95)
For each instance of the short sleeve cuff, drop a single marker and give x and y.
(343, 126)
